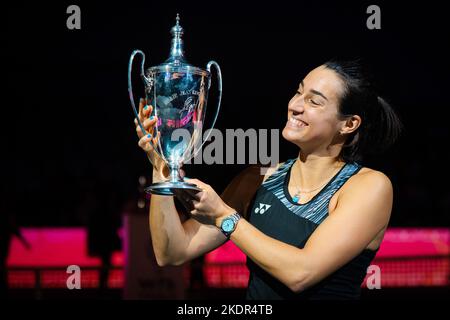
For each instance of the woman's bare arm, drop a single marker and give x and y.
(356, 221)
(175, 242)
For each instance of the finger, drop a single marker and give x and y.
(156, 139)
(144, 140)
(138, 129)
(199, 183)
(141, 117)
(144, 110)
(195, 194)
(141, 107)
(196, 204)
(150, 123)
(144, 143)
(147, 110)
(136, 122)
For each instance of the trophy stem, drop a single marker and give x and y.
(175, 182)
(175, 174)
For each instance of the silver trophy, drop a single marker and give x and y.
(178, 93)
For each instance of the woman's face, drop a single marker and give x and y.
(313, 111)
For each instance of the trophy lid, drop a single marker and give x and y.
(176, 61)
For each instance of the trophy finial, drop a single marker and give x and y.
(177, 50)
(177, 30)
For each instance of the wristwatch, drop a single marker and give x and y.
(229, 224)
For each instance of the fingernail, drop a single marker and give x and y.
(149, 135)
(186, 178)
(146, 107)
(152, 117)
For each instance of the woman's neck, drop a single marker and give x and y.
(311, 171)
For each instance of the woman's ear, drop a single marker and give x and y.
(351, 124)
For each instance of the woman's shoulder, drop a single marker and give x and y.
(368, 177)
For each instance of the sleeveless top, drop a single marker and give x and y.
(274, 213)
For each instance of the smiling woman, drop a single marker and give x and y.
(325, 214)
(341, 91)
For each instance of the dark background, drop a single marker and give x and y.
(67, 127)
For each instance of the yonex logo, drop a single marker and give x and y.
(262, 208)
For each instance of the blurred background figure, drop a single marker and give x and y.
(103, 204)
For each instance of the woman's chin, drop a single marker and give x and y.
(292, 134)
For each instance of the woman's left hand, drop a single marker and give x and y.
(208, 207)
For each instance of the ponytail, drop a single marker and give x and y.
(390, 123)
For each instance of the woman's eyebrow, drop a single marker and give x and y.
(319, 93)
(314, 91)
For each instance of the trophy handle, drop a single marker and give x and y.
(148, 82)
(219, 86)
(219, 77)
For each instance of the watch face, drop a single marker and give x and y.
(228, 225)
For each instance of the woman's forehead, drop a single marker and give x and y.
(323, 80)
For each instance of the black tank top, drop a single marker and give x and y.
(274, 213)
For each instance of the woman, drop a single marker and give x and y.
(315, 222)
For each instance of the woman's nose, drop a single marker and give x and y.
(297, 105)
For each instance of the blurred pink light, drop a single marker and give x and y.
(414, 242)
(224, 266)
(407, 257)
(397, 242)
(55, 247)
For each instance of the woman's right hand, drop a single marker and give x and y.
(144, 139)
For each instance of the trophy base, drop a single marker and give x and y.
(165, 188)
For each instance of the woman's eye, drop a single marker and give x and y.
(298, 92)
(313, 102)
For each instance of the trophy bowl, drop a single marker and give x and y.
(178, 93)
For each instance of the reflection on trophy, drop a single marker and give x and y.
(178, 93)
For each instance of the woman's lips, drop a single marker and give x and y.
(295, 123)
